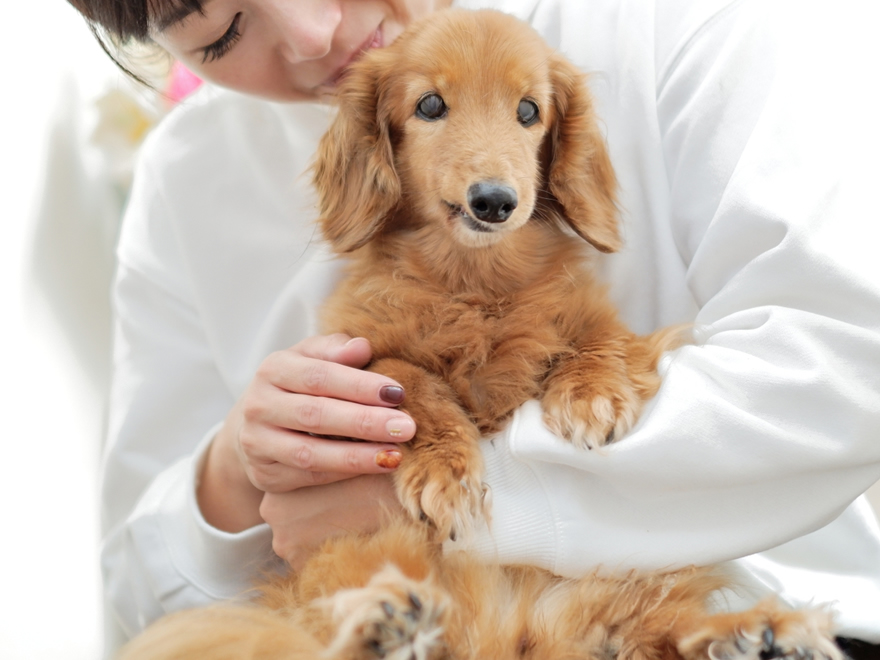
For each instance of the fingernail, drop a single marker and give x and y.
(389, 458)
(400, 427)
(392, 394)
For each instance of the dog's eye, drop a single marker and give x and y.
(527, 112)
(431, 107)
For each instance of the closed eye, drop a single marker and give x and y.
(223, 45)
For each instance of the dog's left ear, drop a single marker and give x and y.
(354, 170)
(580, 175)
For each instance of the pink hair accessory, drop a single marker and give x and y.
(181, 83)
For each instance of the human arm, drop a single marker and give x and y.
(210, 553)
(183, 360)
(152, 564)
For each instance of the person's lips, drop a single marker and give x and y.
(373, 41)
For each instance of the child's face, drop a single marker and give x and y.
(285, 49)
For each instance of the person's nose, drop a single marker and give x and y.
(307, 28)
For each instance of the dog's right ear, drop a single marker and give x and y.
(354, 171)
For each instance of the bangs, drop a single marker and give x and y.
(134, 19)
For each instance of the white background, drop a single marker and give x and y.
(49, 580)
(51, 417)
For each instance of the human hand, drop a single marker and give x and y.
(302, 519)
(268, 442)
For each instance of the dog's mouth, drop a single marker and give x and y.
(457, 212)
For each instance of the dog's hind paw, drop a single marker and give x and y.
(392, 618)
(766, 632)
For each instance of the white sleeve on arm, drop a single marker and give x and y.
(167, 401)
(767, 429)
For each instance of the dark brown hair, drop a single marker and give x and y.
(116, 23)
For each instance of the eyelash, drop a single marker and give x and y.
(222, 46)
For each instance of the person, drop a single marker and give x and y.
(742, 136)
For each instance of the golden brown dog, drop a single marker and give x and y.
(466, 176)
(468, 179)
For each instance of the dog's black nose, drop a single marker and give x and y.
(491, 202)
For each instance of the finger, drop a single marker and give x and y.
(273, 477)
(338, 348)
(294, 372)
(306, 453)
(355, 352)
(294, 460)
(328, 416)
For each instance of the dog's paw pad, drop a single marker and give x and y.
(768, 634)
(393, 618)
(406, 633)
(748, 646)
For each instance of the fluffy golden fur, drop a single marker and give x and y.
(475, 317)
(475, 305)
(393, 596)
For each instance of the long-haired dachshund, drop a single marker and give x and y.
(466, 177)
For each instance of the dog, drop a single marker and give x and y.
(467, 180)
(468, 197)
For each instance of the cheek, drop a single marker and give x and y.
(531, 170)
(424, 157)
(403, 12)
(256, 71)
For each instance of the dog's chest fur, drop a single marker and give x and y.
(493, 351)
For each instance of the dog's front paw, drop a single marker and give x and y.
(766, 632)
(441, 483)
(590, 411)
(393, 617)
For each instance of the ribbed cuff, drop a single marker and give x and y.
(221, 564)
(522, 529)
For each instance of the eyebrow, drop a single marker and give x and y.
(177, 14)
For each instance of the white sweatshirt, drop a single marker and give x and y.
(745, 143)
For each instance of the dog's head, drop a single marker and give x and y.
(470, 121)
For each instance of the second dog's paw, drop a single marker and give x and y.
(393, 618)
(767, 632)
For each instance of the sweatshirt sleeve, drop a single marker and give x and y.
(766, 428)
(167, 402)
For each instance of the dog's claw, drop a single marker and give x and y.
(769, 650)
(376, 647)
(392, 617)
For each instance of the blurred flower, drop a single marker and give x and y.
(123, 121)
(127, 112)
